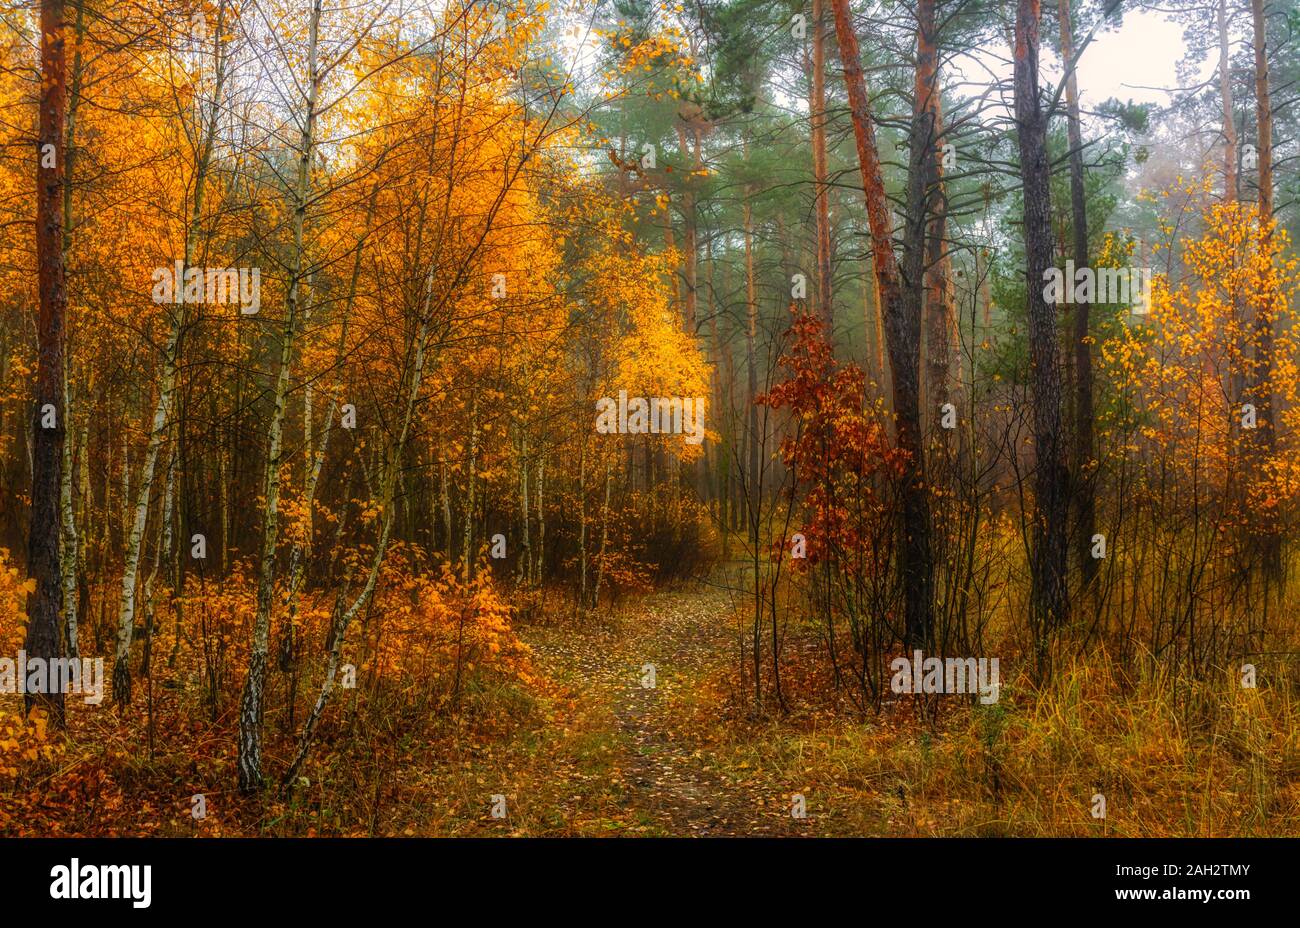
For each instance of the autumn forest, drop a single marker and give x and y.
(592, 418)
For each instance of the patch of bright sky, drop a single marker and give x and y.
(1135, 62)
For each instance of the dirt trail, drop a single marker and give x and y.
(671, 785)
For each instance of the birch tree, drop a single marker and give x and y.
(251, 702)
(202, 138)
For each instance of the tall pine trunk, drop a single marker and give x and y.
(1049, 592)
(1261, 387)
(1085, 499)
(821, 191)
(901, 317)
(45, 601)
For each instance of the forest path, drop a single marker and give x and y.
(670, 784)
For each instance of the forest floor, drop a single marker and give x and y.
(600, 754)
(617, 755)
(586, 747)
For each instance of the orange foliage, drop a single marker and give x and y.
(1189, 368)
(440, 632)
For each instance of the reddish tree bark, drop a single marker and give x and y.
(902, 320)
(817, 122)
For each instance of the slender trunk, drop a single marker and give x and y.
(541, 519)
(125, 509)
(940, 318)
(525, 547)
(343, 616)
(135, 540)
(467, 539)
(582, 524)
(1263, 367)
(721, 449)
(302, 546)
(670, 245)
(162, 542)
(1225, 95)
(752, 487)
(1236, 384)
(985, 288)
(84, 506)
(251, 702)
(689, 246)
(1264, 436)
(176, 531)
(69, 539)
(821, 191)
(604, 536)
(158, 427)
(224, 491)
(444, 494)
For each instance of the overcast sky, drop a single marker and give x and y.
(1125, 63)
